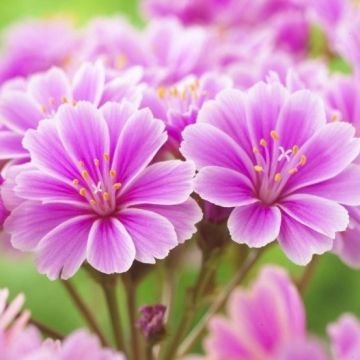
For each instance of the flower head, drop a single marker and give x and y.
(40, 97)
(93, 195)
(272, 155)
(256, 329)
(151, 322)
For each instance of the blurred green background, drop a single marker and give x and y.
(333, 290)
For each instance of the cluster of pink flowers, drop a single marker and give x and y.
(118, 144)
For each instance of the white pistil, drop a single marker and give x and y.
(284, 154)
(97, 188)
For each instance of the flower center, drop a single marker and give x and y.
(100, 188)
(274, 165)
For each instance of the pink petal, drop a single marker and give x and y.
(153, 235)
(163, 183)
(300, 242)
(324, 216)
(183, 217)
(224, 187)
(63, 250)
(138, 143)
(111, 248)
(31, 221)
(255, 225)
(10, 146)
(88, 83)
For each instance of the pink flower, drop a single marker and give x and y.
(36, 46)
(257, 329)
(345, 338)
(272, 156)
(23, 108)
(93, 195)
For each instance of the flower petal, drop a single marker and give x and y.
(63, 250)
(110, 248)
(299, 242)
(255, 225)
(153, 235)
(88, 83)
(224, 187)
(140, 140)
(164, 183)
(183, 217)
(31, 221)
(324, 216)
(10, 146)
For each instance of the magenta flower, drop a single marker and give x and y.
(30, 47)
(178, 105)
(271, 155)
(345, 338)
(256, 329)
(94, 196)
(22, 108)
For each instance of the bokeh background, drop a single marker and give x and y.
(333, 290)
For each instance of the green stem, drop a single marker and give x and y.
(130, 286)
(85, 312)
(191, 304)
(220, 301)
(149, 353)
(46, 330)
(308, 274)
(109, 287)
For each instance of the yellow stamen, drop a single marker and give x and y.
(295, 149)
(263, 142)
(184, 94)
(64, 99)
(92, 202)
(74, 103)
(112, 173)
(106, 196)
(255, 150)
(96, 162)
(174, 91)
(81, 164)
(106, 156)
(75, 182)
(161, 92)
(334, 117)
(274, 134)
(85, 175)
(117, 186)
(121, 61)
(82, 192)
(303, 160)
(43, 109)
(51, 101)
(277, 177)
(258, 168)
(293, 171)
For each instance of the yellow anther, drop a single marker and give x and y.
(64, 99)
(117, 186)
(106, 156)
(303, 160)
(295, 149)
(277, 177)
(92, 202)
(74, 102)
(81, 164)
(334, 117)
(193, 87)
(85, 174)
(106, 196)
(263, 142)
(184, 94)
(258, 168)
(52, 101)
(293, 171)
(161, 92)
(96, 162)
(197, 82)
(274, 134)
(174, 91)
(75, 182)
(82, 192)
(112, 173)
(121, 61)
(255, 150)
(43, 109)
